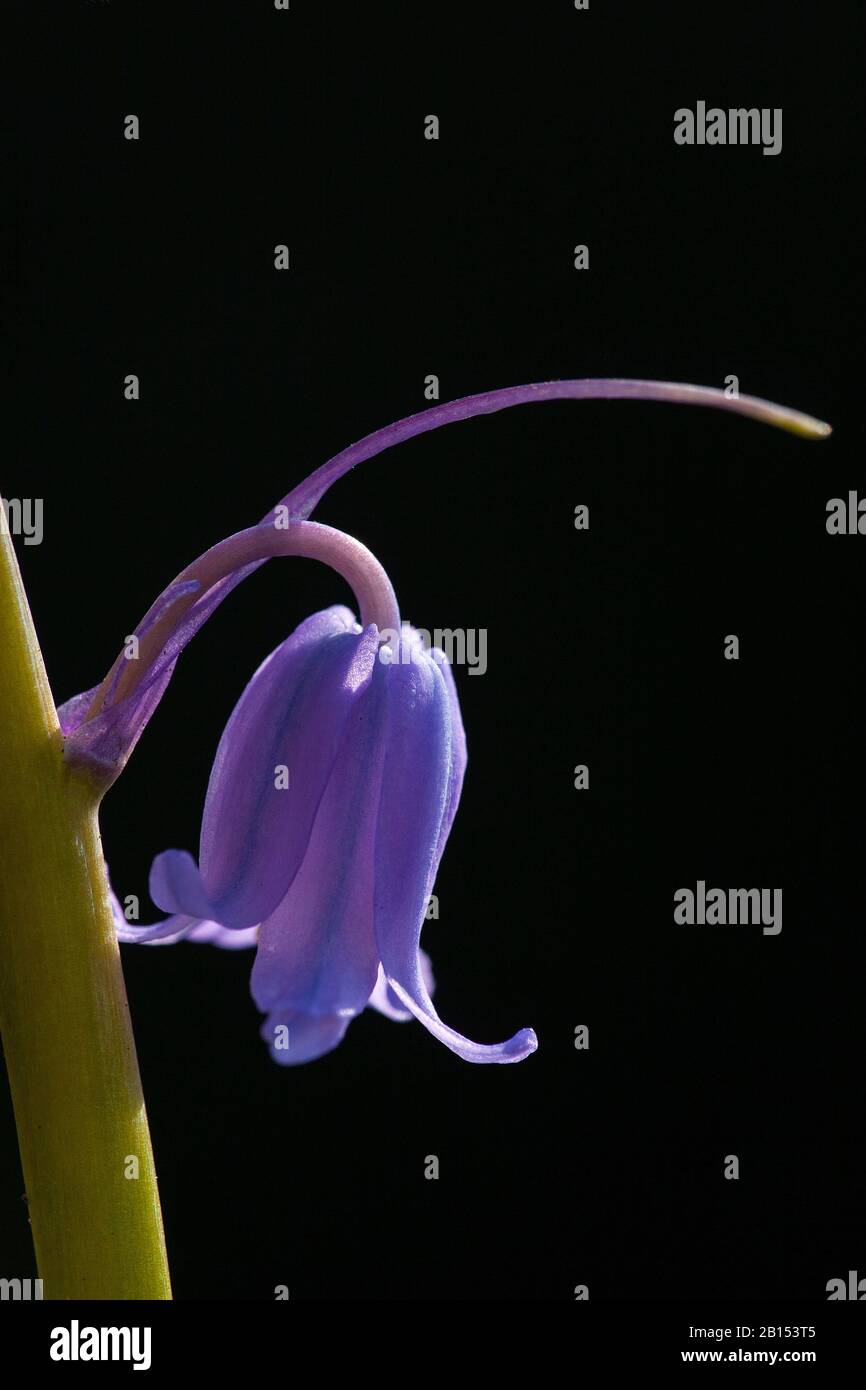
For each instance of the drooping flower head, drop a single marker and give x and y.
(337, 778)
(332, 794)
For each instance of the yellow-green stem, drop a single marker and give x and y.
(67, 1037)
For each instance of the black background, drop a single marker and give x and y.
(411, 257)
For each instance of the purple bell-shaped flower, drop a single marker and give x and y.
(332, 794)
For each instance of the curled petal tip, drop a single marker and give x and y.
(522, 1045)
(529, 1039)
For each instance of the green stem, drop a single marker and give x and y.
(64, 1019)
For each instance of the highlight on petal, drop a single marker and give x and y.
(228, 939)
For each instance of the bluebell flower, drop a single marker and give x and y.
(332, 794)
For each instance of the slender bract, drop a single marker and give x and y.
(302, 499)
(64, 1020)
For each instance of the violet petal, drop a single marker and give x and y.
(416, 787)
(255, 832)
(317, 951)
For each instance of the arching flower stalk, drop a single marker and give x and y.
(338, 776)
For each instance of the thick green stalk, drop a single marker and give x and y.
(64, 1019)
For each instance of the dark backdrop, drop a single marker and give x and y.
(411, 257)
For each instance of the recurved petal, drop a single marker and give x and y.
(294, 1038)
(385, 1001)
(175, 885)
(514, 1049)
(416, 788)
(179, 927)
(166, 933)
(317, 951)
